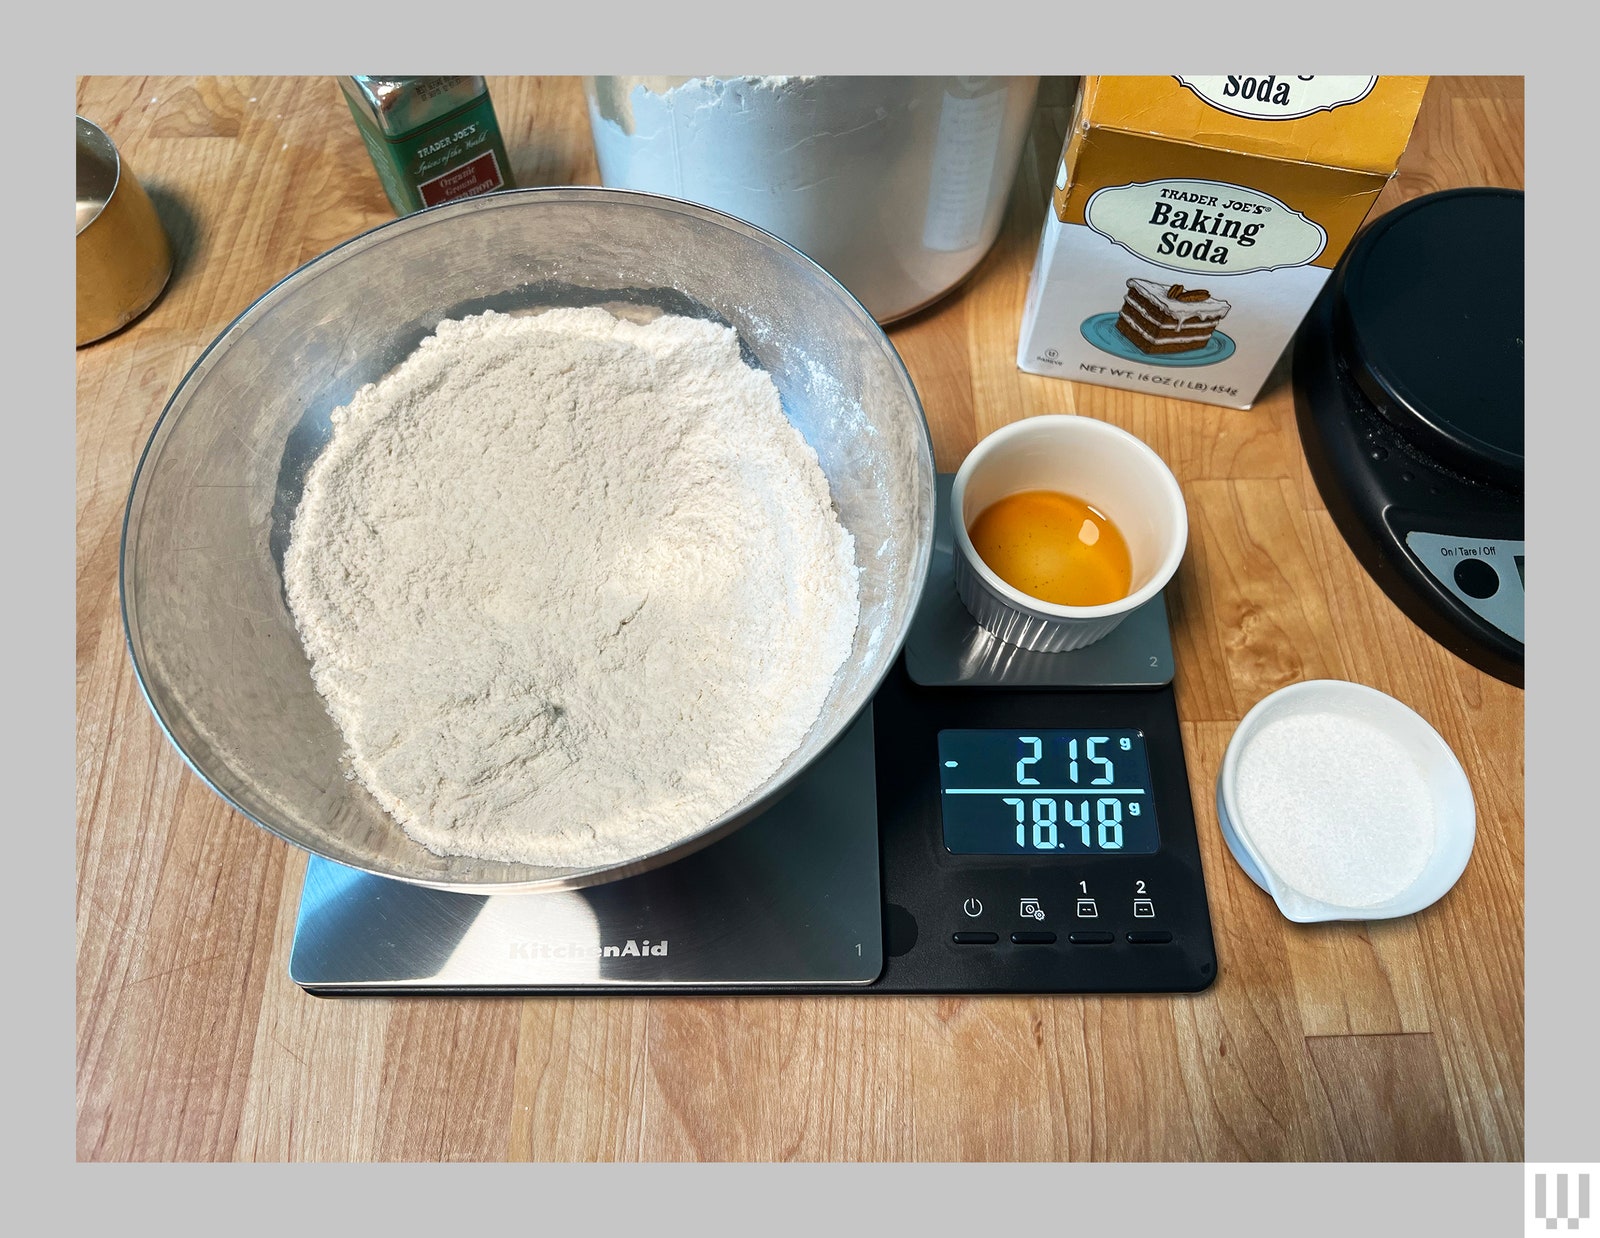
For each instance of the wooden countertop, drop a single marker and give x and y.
(1400, 1040)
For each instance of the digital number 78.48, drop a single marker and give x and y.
(1106, 826)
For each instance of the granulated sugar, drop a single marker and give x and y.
(1336, 808)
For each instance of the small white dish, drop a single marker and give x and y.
(1454, 814)
(1101, 463)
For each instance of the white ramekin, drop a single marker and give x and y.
(1118, 473)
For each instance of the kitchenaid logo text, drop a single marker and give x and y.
(586, 950)
(1203, 227)
(1279, 96)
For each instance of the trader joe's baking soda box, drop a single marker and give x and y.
(1194, 220)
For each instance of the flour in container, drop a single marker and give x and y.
(572, 587)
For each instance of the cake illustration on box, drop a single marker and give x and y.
(1161, 319)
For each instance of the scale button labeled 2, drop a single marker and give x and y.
(1144, 909)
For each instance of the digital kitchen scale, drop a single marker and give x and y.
(1408, 377)
(997, 821)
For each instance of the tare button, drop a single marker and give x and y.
(1476, 578)
(1484, 575)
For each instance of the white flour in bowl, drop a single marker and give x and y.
(571, 586)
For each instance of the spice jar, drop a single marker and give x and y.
(432, 139)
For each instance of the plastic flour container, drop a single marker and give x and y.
(1344, 804)
(896, 186)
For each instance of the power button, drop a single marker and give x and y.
(972, 907)
(1476, 578)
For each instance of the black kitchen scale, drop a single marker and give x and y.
(1408, 377)
(997, 821)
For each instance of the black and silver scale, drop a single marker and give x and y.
(996, 821)
(1408, 377)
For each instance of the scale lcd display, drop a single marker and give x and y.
(1046, 793)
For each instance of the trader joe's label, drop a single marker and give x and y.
(1278, 96)
(1204, 227)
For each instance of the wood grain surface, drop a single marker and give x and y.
(1400, 1040)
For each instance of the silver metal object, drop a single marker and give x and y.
(124, 257)
(210, 635)
(396, 105)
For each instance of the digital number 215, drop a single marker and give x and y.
(1092, 756)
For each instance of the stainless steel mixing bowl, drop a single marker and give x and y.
(210, 634)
